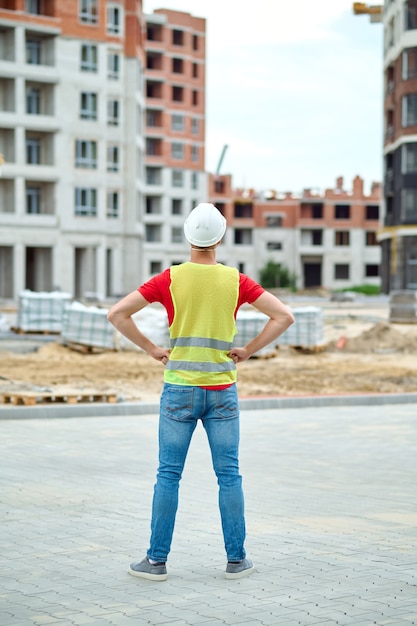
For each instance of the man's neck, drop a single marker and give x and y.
(203, 256)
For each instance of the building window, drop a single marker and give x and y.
(274, 245)
(177, 122)
(195, 70)
(195, 42)
(194, 180)
(219, 186)
(409, 110)
(33, 101)
(153, 118)
(370, 238)
(153, 205)
(273, 221)
(176, 206)
(176, 234)
(114, 19)
(409, 205)
(409, 158)
(177, 178)
(113, 159)
(372, 212)
(371, 270)
(33, 7)
(177, 37)
(194, 153)
(409, 63)
(410, 15)
(177, 65)
(153, 233)
(153, 176)
(155, 267)
(88, 11)
(342, 238)
(33, 151)
(113, 112)
(195, 125)
(85, 202)
(33, 200)
(177, 150)
(88, 106)
(86, 154)
(195, 97)
(113, 202)
(153, 146)
(88, 61)
(33, 51)
(113, 66)
(154, 89)
(177, 93)
(342, 212)
(243, 210)
(243, 236)
(341, 271)
(313, 237)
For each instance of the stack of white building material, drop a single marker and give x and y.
(88, 326)
(41, 311)
(152, 322)
(306, 332)
(403, 306)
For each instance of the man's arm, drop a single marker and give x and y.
(280, 318)
(120, 315)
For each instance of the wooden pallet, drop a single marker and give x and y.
(30, 398)
(21, 331)
(309, 349)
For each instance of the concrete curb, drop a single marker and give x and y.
(124, 409)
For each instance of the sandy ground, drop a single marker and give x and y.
(376, 357)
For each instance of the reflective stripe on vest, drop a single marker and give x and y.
(201, 342)
(200, 366)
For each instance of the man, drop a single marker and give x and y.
(201, 298)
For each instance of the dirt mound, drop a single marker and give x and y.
(382, 337)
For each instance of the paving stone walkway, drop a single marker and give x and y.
(331, 501)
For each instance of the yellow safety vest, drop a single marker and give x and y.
(204, 299)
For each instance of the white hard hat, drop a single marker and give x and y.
(205, 225)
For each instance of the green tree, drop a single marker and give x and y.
(274, 275)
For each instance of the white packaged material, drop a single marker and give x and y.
(153, 323)
(307, 330)
(88, 326)
(41, 310)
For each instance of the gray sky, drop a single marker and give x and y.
(293, 88)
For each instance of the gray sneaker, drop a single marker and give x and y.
(239, 569)
(144, 569)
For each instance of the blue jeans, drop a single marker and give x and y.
(181, 408)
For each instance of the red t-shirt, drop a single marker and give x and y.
(157, 290)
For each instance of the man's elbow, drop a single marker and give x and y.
(289, 318)
(111, 316)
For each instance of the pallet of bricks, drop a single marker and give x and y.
(86, 328)
(41, 312)
(306, 334)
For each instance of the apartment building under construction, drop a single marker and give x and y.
(398, 236)
(102, 131)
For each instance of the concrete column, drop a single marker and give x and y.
(101, 270)
(19, 269)
(20, 196)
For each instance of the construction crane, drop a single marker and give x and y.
(221, 159)
(374, 11)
